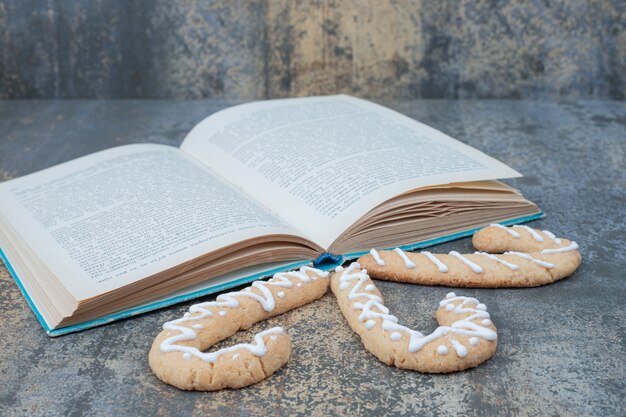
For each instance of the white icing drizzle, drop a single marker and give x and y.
(370, 324)
(197, 326)
(395, 336)
(281, 294)
(440, 265)
(407, 262)
(258, 348)
(495, 258)
(486, 322)
(370, 287)
(552, 236)
(530, 258)
(374, 309)
(377, 257)
(473, 341)
(235, 356)
(461, 350)
(442, 349)
(512, 232)
(221, 313)
(472, 265)
(200, 312)
(532, 232)
(571, 247)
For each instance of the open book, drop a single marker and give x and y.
(253, 189)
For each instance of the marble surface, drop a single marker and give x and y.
(268, 49)
(561, 349)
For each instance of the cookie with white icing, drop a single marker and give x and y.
(465, 338)
(178, 354)
(525, 257)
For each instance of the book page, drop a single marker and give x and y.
(323, 162)
(114, 217)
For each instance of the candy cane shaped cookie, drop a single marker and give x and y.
(177, 355)
(530, 258)
(465, 338)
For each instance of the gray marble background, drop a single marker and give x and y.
(561, 347)
(540, 49)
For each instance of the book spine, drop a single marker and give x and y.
(328, 258)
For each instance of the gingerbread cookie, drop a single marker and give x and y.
(465, 338)
(177, 355)
(530, 258)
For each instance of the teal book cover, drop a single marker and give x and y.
(326, 261)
